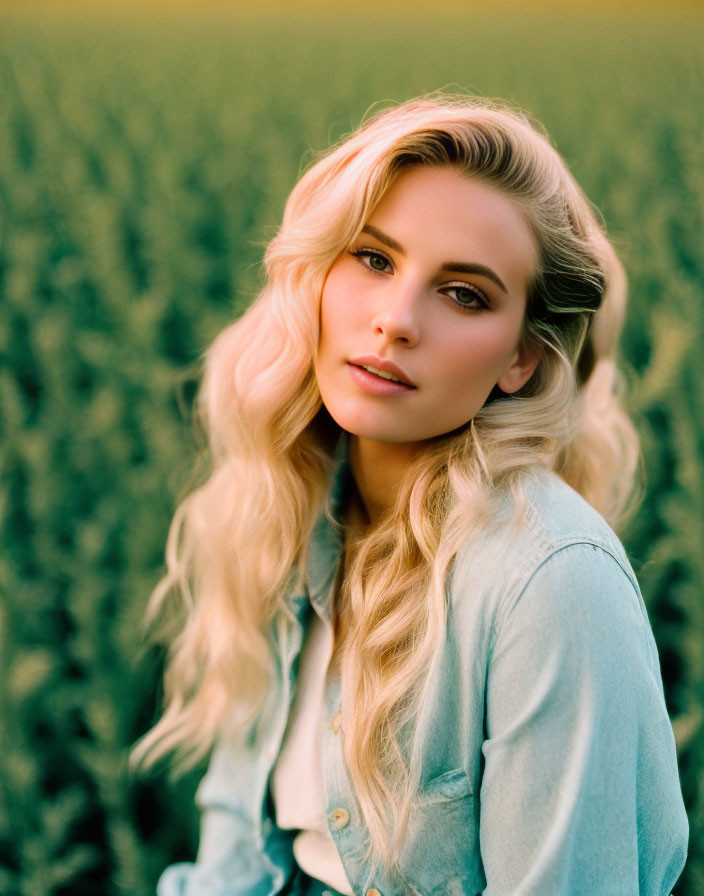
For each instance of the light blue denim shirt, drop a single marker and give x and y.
(548, 758)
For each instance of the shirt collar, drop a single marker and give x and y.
(327, 539)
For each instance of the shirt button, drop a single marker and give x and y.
(336, 722)
(340, 818)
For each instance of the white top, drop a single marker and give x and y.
(297, 777)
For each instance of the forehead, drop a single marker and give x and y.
(443, 214)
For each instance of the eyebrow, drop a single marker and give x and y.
(464, 267)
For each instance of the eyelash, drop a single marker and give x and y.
(360, 254)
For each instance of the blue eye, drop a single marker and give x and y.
(372, 260)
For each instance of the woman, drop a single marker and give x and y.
(403, 619)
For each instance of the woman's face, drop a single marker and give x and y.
(422, 317)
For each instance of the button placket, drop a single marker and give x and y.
(336, 722)
(339, 818)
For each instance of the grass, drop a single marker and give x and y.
(142, 169)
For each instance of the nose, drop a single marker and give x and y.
(398, 317)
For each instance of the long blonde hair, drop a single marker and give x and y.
(237, 543)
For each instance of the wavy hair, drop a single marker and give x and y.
(238, 542)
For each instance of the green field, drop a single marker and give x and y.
(142, 170)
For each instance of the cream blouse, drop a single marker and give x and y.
(297, 777)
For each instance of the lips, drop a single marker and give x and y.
(386, 370)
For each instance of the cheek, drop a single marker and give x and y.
(328, 316)
(338, 312)
(332, 342)
(479, 357)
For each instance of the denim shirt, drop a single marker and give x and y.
(548, 761)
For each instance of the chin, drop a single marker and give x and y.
(385, 434)
(365, 430)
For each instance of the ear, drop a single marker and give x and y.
(520, 369)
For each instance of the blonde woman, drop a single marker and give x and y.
(399, 616)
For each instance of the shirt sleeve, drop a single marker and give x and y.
(228, 862)
(580, 791)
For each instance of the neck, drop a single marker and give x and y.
(378, 469)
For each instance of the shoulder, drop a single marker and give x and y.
(552, 517)
(556, 515)
(557, 554)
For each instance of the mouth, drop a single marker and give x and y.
(384, 370)
(380, 373)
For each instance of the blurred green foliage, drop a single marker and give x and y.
(142, 170)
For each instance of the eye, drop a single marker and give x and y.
(372, 259)
(466, 296)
